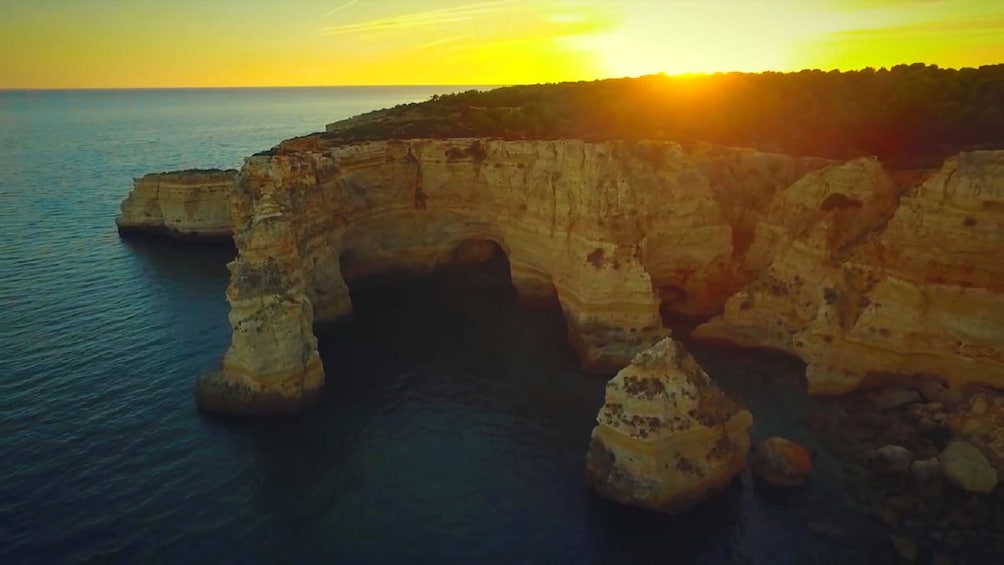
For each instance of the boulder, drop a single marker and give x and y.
(894, 458)
(666, 437)
(980, 421)
(782, 463)
(966, 467)
(926, 471)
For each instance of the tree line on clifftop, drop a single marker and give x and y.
(909, 115)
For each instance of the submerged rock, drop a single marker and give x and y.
(667, 438)
(894, 458)
(966, 467)
(926, 471)
(782, 463)
(906, 548)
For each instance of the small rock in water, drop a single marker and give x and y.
(825, 530)
(906, 548)
(966, 467)
(926, 471)
(894, 458)
(782, 463)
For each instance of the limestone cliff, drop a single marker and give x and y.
(867, 279)
(612, 230)
(193, 204)
(666, 437)
(861, 272)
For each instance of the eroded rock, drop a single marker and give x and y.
(869, 281)
(782, 463)
(894, 458)
(666, 437)
(189, 205)
(966, 467)
(865, 279)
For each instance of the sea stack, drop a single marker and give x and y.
(666, 437)
(185, 205)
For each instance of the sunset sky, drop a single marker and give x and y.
(179, 43)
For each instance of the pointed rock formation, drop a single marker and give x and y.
(667, 437)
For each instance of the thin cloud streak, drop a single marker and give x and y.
(995, 24)
(337, 9)
(419, 19)
(444, 41)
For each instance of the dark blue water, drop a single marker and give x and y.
(453, 427)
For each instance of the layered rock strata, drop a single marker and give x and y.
(859, 272)
(666, 437)
(611, 230)
(868, 280)
(192, 204)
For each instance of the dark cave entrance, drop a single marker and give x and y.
(462, 311)
(480, 263)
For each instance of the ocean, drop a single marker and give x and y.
(453, 427)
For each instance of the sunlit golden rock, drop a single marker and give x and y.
(667, 438)
(869, 281)
(601, 227)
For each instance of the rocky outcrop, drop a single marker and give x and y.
(611, 230)
(869, 280)
(666, 437)
(192, 204)
(857, 271)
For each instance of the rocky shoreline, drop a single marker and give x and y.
(886, 284)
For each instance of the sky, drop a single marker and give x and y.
(202, 43)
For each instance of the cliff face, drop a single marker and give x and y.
(845, 265)
(612, 230)
(866, 280)
(182, 204)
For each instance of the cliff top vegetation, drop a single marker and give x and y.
(193, 175)
(910, 116)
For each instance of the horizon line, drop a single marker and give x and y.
(497, 85)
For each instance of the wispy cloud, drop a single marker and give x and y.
(444, 41)
(941, 27)
(420, 19)
(337, 9)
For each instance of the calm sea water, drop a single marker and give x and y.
(453, 427)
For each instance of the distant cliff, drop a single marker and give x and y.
(861, 272)
(192, 204)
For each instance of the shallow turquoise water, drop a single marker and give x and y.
(453, 428)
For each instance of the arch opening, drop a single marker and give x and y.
(479, 263)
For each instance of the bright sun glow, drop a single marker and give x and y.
(120, 43)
